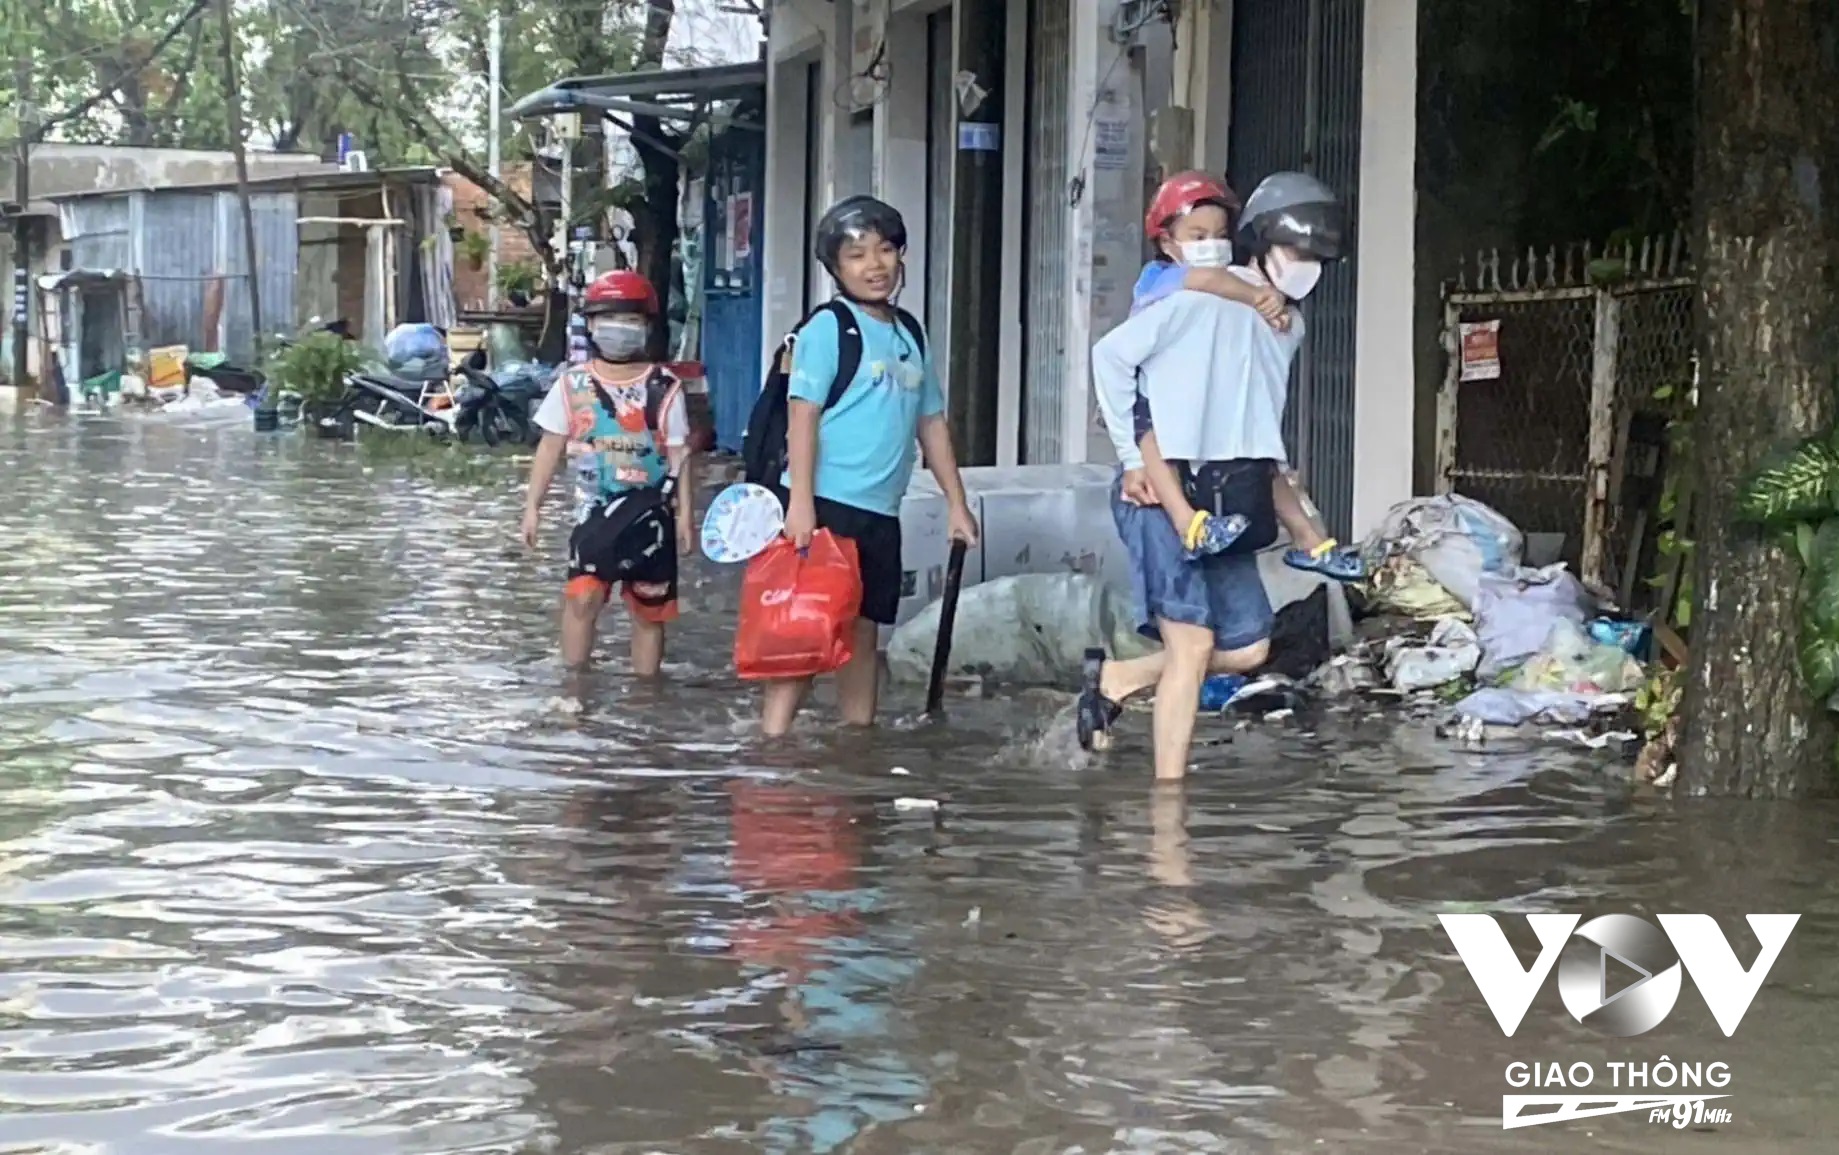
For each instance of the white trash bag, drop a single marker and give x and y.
(1456, 539)
(1024, 630)
(1515, 614)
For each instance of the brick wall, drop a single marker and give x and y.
(470, 204)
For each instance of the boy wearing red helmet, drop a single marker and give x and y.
(1189, 221)
(621, 417)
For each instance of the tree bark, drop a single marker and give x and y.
(1767, 110)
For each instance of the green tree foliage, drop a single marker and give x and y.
(406, 77)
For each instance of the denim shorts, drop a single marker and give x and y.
(1224, 593)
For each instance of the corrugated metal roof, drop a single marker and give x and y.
(331, 180)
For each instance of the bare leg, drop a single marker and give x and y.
(647, 646)
(1123, 680)
(1187, 652)
(581, 606)
(1295, 518)
(782, 700)
(857, 683)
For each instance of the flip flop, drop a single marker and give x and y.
(1096, 713)
(1208, 534)
(1329, 560)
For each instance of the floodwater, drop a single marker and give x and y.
(298, 854)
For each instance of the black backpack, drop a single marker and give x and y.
(763, 449)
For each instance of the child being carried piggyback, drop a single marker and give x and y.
(1190, 222)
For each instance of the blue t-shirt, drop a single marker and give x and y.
(1158, 280)
(866, 446)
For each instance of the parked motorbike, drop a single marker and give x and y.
(500, 407)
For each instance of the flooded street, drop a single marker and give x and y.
(298, 854)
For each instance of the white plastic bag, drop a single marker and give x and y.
(1572, 662)
(1025, 629)
(1451, 653)
(1456, 539)
(1515, 614)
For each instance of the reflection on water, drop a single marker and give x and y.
(294, 847)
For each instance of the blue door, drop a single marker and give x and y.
(733, 229)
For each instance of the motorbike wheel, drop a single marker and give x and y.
(488, 426)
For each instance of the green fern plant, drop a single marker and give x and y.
(1797, 494)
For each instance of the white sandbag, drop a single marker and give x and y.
(1515, 614)
(1025, 629)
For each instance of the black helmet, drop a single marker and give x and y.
(852, 217)
(1295, 209)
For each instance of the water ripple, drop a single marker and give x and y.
(295, 848)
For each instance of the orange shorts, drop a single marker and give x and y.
(646, 601)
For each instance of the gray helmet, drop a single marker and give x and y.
(1295, 209)
(853, 217)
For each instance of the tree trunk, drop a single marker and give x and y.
(1766, 113)
(654, 223)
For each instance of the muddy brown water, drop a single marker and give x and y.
(299, 854)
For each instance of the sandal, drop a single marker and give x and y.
(1208, 535)
(1329, 560)
(1096, 713)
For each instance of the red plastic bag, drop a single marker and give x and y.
(798, 614)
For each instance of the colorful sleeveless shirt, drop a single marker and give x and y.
(615, 437)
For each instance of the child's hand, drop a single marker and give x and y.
(532, 520)
(1274, 307)
(1137, 490)
(686, 537)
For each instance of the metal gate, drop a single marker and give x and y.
(1044, 384)
(1296, 106)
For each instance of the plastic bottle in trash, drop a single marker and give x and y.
(1218, 690)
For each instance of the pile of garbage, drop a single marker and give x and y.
(1461, 621)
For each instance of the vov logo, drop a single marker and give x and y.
(1655, 955)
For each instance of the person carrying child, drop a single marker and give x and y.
(621, 416)
(849, 458)
(1190, 222)
(1192, 390)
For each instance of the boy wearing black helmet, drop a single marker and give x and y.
(849, 463)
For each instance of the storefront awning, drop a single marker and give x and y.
(679, 94)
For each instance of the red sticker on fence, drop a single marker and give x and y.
(1481, 350)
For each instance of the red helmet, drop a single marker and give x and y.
(1183, 193)
(620, 291)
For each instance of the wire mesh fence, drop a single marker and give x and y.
(1554, 403)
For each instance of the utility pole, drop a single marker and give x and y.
(22, 229)
(233, 94)
(976, 215)
(495, 58)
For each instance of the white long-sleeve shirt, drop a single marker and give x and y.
(1215, 373)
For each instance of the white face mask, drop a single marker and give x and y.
(1209, 254)
(1294, 278)
(619, 338)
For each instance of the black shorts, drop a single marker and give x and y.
(877, 538)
